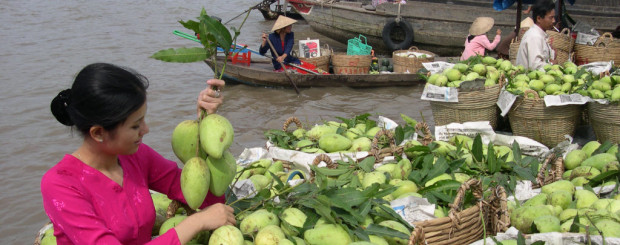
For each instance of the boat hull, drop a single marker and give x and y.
(262, 74)
(437, 25)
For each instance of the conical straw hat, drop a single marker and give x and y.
(481, 25)
(527, 22)
(282, 22)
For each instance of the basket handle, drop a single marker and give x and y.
(457, 204)
(413, 48)
(322, 158)
(289, 121)
(529, 91)
(174, 205)
(379, 154)
(360, 38)
(425, 131)
(540, 177)
(565, 31)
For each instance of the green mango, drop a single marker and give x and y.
(227, 234)
(195, 181)
(410, 144)
(222, 172)
(171, 223)
(509, 242)
(523, 217)
(257, 220)
(317, 131)
(275, 167)
(609, 228)
(161, 203)
(299, 241)
(566, 174)
(432, 181)
(403, 169)
(269, 235)
(48, 237)
(360, 144)
(353, 133)
(373, 131)
(373, 177)
(377, 240)
(216, 135)
(444, 148)
(396, 226)
(601, 204)
(293, 217)
(560, 198)
(590, 147)
(588, 172)
(574, 158)
(540, 199)
(327, 234)
(567, 214)
(404, 186)
(334, 142)
(260, 181)
(299, 133)
(599, 160)
(558, 185)
(579, 181)
(185, 141)
(585, 198)
(547, 223)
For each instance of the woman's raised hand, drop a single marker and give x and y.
(211, 97)
(498, 32)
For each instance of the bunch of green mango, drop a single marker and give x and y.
(606, 87)
(203, 148)
(592, 160)
(476, 67)
(261, 173)
(560, 207)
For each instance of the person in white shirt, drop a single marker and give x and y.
(534, 50)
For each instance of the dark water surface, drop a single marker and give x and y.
(45, 43)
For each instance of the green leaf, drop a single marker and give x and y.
(364, 208)
(477, 149)
(350, 196)
(367, 164)
(361, 233)
(492, 163)
(190, 24)
(216, 29)
(181, 55)
(575, 226)
(437, 169)
(604, 176)
(328, 171)
(603, 147)
(383, 231)
(442, 185)
(520, 239)
(399, 135)
(320, 208)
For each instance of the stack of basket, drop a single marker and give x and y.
(613, 46)
(410, 61)
(530, 117)
(321, 62)
(605, 122)
(472, 106)
(562, 43)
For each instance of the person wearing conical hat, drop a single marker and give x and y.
(534, 50)
(477, 42)
(283, 40)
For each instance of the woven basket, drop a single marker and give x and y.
(513, 50)
(351, 64)
(465, 226)
(522, 31)
(613, 46)
(531, 118)
(405, 62)
(39, 236)
(563, 56)
(561, 41)
(605, 120)
(472, 106)
(585, 54)
(321, 62)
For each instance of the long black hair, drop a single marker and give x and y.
(102, 94)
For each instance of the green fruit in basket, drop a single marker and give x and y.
(443, 148)
(471, 76)
(269, 235)
(373, 131)
(609, 228)
(615, 94)
(171, 223)
(536, 85)
(596, 94)
(542, 94)
(227, 234)
(299, 133)
(275, 167)
(587, 172)
(48, 237)
(540, 199)
(195, 181)
(567, 78)
(602, 86)
(547, 223)
(611, 166)
(509, 242)
(488, 60)
(546, 78)
(373, 177)
(558, 185)
(566, 174)
(396, 226)
(327, 234)
(461, 67)
(377, 240)
(260, 181)
(480, 69)
(453, 74)
(404, 186)
(552, 88)
(505, 65)
(334, 142)
(613, 150)
(579, 181)
(567, 214)
(293, 217)
(601, 203)
(317, 131)
(410, 153)
(574, 158)
(566, 87)
(560, 198)
(303, 144)
(584, 198)
(599, 160)
(606, 79)
(360, 144)
(353, 133)
(523, 77)
(441, 81)
(590, 147)
(313, 150)
(523, 217)
(432, 181)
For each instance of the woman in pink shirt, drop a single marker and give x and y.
(477, 41)
(99, 194)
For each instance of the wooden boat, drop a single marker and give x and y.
(260, 73)
(271, 10)
(439, 26)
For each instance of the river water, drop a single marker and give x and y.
(45, 43)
